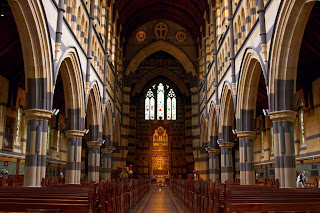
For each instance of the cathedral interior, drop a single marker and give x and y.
(228, 90)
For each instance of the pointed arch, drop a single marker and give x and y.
(161, 72)
(251, 68)
(36, 48)
(165, 46)
(213, 127)
(74, 89)
(284, 53)
(94, 117)
(227, 114)
(107, 133)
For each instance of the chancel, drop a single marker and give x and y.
(159, 106)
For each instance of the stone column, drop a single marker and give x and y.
(35, 158)
(94, 160)
(74, 156)
(106, 163)
(246, 157)
(285, 161)
(226, 161)
(214, 164)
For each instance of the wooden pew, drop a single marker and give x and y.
(67, 199)
(251, 199)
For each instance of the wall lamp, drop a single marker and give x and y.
(55, 111)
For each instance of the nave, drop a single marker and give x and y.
(160, 200)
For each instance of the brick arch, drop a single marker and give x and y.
(165, 46)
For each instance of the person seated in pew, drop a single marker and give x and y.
(300, 181)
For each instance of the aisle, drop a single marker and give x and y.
(160, 201)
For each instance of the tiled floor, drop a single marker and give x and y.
(160, 200)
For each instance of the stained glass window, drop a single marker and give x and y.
(58, 141)
(302, 127)
(171, 105)
(18, 125)
(157, 103)
(149, 106)
(160, 102)
(169, 108)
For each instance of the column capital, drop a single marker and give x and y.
(107, 150)
(74, 133)
(37, 114)
(127, 89)
(246, 134)
(226, 145)
(284, 115)
(214, 151)
(94, 144)
(194, 89)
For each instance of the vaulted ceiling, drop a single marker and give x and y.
(187, 13)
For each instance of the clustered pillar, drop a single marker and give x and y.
(94, 160)
(106, 163)
(246, 157)
(226, 161)
(214, 164)
(74, 156)
(285, 163)
(35, 159)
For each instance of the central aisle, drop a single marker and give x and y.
(160, 200)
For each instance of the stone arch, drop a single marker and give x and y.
(227, 114)
(107, 133)
(158, 46)
(251, 68)
(36, 48)
(213, 127)
(94, 117)
(161, 72)
(69, 66)
(284, 52)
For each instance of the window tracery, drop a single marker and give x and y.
(165, 97)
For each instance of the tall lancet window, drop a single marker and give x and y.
(160, 102)
(165, 103)
(149, 106)
(171, 105)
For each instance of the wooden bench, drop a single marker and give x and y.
(250, 199)
(67, 199)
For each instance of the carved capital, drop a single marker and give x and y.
(226, 145)
(74, 133)
(246, 134)
(284, 115)
(107, 150)
(214, 151)
(37, 114)
(94, 144)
